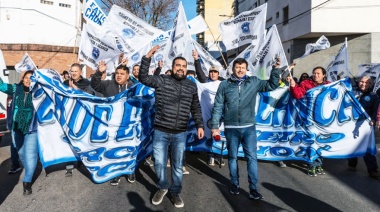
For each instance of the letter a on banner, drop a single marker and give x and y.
(246, 28)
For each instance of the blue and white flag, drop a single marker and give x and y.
(207, 60)
(26, 64)
(338, 68)
(265, 56)
(93, 49)
(246, 28)
(135, 59)
(109, 135)
(132, 31)
(328, 122)
(321, 44)
(93, 13)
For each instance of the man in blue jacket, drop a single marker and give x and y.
(236, 99)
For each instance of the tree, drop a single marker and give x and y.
(158, 13)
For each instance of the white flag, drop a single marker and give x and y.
(207, 60)
(26, 64)
(321, 44)
(339, 66)
(196, 25)
(93, 13)
(371, 69)
(132, 32)
(92, 49)
(178, 43)
(261, 60)
(137, 56)
(246, 28)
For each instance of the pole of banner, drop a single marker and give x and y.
(217, 44)
(347, 58)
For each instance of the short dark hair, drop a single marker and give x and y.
(65, 72)
(135, 66)
(239, 61)
(178, 58)
(123, 67)
(77, 65)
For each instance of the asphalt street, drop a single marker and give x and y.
(204, 189)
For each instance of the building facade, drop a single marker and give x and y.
(214, 12)
(48, 30)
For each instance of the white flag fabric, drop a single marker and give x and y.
(93, 13)
(339, 66)
(132, 31)
(207, 60)
(93, 49)
(26, 64)
(196, 25)
(180, 39)
(261, 61)
(137, 56)
(246, 28)
(321, 44)
(371, 69)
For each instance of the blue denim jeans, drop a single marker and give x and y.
(161, 143)
(14, 155)
(27, 148)
(247, 137)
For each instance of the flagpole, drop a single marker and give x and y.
(221, 53)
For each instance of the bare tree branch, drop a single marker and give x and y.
(158, 13)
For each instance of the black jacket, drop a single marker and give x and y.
(107, 87)
(82, 84)
(369, 101)
(175, 100)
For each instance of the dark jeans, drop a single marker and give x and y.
(15, 159)
(370, 162)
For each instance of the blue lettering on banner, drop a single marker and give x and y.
(76, 121)
(99, 110)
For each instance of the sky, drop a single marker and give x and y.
(190, 7)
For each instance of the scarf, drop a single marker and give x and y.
(24, 110)
(237, 80)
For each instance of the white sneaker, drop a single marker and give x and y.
(184, 170)
(211, 161)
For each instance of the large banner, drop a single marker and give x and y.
(111, 135)
(246, 28)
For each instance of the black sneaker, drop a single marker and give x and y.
(159, 196)
(374, 174)
(177, 201)
(234, 189)
(254, 194)
(131, 178)
(14, 168)
(115, 181)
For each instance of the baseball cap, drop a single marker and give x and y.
(213, 68)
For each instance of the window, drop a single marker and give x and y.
(64, 5)
(47, 2)
(277, 14)
(286, 15)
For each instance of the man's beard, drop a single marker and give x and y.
(175, 76)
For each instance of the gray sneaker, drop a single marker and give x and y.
(177, 201)
(159, 196)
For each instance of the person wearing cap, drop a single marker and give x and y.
(212, 77)
(213, 71)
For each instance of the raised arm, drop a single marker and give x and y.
(7, 88)
(198, 68)
(144, 77)
(96, 80)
